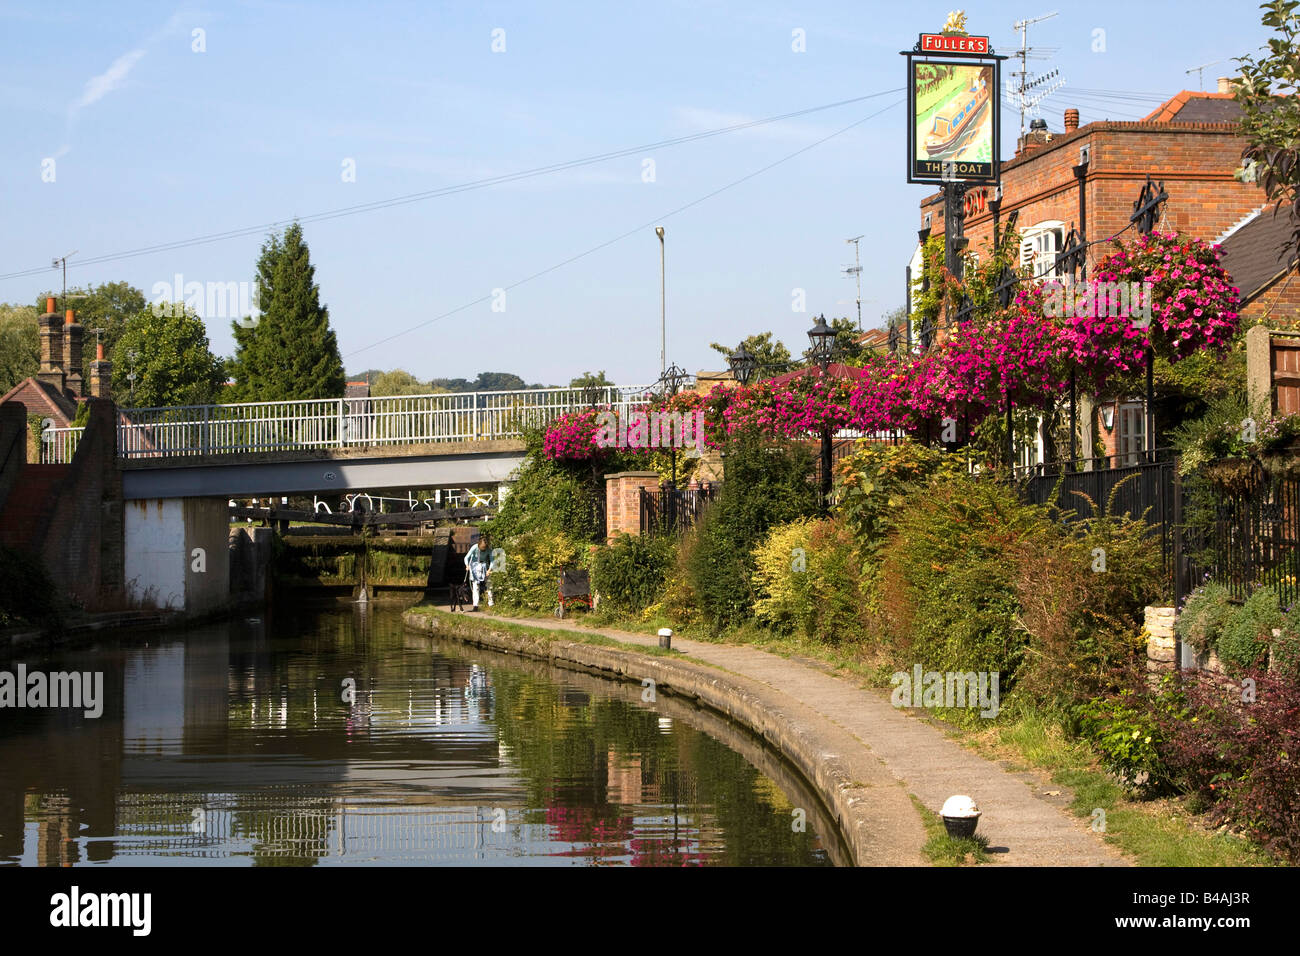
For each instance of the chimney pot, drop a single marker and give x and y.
(49, 305)
(1071, 120)
(69, 317)
(99, 351)
(1225, 85)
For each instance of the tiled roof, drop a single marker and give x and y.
(1193, 106)
(42, 398)
(1260, 251)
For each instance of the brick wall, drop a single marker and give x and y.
(1196, 162)
(81, 538)
(623, 501)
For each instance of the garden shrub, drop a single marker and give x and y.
(1237, 750)
(808, 580)
(534, 560)
(1284, 653)
(1127, 734)
(873, 482)
(1249, 630)
(547, 496)
(949, 599)
(630, 573)
(1081, 624)
(766, 484)
(784, 595)
(1203, 618)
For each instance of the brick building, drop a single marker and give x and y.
(62, 381)
(1089, 177)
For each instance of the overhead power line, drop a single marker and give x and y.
(451, 190)
(636, 230)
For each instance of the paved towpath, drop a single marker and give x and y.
(1025, 826)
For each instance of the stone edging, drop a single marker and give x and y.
(851, 783)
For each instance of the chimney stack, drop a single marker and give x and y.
(1071, 120)
(1225, 85)
(51, 332)
(101, 375)
(74, 334)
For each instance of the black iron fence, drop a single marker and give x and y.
(1145, 490)
(1232, 523)
(1242, 536)
(673, 510)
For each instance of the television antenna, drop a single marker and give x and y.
(63, 261)
(855, 270)
(1023, 72)
(1200, 72)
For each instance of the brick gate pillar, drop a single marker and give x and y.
(623, 501)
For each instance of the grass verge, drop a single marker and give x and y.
(944, 850)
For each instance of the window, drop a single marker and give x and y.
(1039, 246)
(1131, 440)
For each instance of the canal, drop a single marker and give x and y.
(333, 736)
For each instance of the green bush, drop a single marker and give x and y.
(630, 573)
(1126, 731)
(766, 485)
(533, 561)
(1249, 631)
(949, 598)
(808, 580)
(547, 496)
(873, 482)
(1204, 616)
(27, 595)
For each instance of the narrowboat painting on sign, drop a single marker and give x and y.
(954, 119)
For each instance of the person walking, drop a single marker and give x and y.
(478, 562)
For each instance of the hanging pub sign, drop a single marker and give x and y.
(954, 124)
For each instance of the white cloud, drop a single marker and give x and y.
(97, 87)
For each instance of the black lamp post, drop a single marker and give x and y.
(822, 338)
(743, 365)
(672, 380)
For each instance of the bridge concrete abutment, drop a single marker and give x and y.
(178, 553)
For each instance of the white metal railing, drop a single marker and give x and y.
(58, 445)
(350, 422)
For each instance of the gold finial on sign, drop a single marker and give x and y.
(956, 24)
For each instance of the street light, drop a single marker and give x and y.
(671, 381)
(822, 339)
(663, 326)
(743, 365)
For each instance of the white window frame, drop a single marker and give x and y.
(1039, 246)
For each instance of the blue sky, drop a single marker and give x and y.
(153, 143)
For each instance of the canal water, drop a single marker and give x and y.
(333, 736)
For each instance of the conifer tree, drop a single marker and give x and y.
(290, 351)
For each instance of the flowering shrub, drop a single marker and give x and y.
(1193, 306)
(573, 436)
(1023, 354)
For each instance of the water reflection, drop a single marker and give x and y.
(335, 737)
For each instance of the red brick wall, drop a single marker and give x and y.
(623, 501)
(1195, 161)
